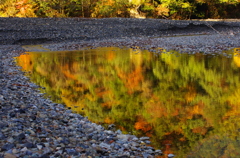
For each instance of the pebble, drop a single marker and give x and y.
(171, 155)
(7, 146)
(144, 138)
(24, 149)
(39, 147)
(8, 155)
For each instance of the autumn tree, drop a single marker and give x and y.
(111, 8)
(168, 9)
(17, 8)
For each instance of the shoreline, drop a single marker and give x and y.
(36, 127)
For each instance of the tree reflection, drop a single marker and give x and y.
(185, 103)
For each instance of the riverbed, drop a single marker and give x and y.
(33, 126)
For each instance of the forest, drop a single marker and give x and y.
(162, 9)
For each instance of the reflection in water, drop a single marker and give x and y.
(188, 104)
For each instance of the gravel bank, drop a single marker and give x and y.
(52, 30)
(31, 126)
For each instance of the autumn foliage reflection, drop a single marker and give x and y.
(181, 101)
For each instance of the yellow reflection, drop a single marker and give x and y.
(176, 99)
(236, 57)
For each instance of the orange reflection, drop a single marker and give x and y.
(178, 100)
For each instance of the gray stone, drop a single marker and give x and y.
(144, 138)
(28, 152)
(21, 136)
(39, 147)
(104, 145)
(8, 155)
(10, 140)
(24, 149)
(125, 137)
(170, 155)
(158, 151)
(7, 146)
(72, 152)
(29, 145)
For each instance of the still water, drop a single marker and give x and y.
(188, 104)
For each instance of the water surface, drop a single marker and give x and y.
(187, 103)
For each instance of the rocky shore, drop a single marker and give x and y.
(31, 126)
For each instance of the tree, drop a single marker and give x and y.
(111, 8)
(17, 8)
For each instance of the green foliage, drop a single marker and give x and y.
(49, 8)
(114, 8)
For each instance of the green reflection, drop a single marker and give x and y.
(188, 104)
